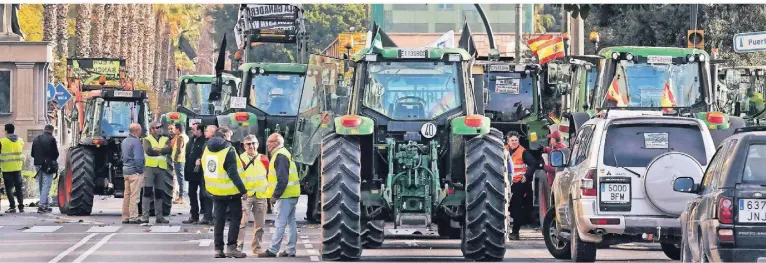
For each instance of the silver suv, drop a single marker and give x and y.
(616, 184)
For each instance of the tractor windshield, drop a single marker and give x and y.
(412, 90)
(196, 98)
(277, 94)
(511, 93)
(651, 85)
(116, 116)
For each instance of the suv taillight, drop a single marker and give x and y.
(725, 213)
(588, 183)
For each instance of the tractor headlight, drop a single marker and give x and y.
(253, 70)
(187, 80)
(615, 55)
(261, 70)
(701, 57)
(629, 56)
(690, 58)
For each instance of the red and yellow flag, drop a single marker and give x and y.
(668, 100)
(535, 43)
(550, 50)
(613, 94)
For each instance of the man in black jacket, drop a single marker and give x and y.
(45, 152)
(521, 169)
(200, 202)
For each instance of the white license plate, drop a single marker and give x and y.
(752, 211)
(412, 53)
(615, 193)
(194, 121)
(121, 93)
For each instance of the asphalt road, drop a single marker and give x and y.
(32, 237)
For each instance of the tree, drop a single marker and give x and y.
(62, 32)
(126, 16)
(82, 33)
(543, 21)
(98, 21)
(111, 30)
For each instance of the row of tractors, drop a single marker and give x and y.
(401, 141)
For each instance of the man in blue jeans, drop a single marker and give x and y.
(179, 158)
(45, 152)
(284, 185)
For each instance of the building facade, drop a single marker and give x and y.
(440, 18)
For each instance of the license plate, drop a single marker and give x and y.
(615, 193)
(194, 121)
(752, 211)
(122, 93)
(412, 53)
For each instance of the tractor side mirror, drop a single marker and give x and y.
(215, 92)
(559, 157)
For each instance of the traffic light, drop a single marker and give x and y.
(695, 39)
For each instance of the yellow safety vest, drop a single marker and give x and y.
(156, 161)
(257, 183)
(11, 159)
(217, 181)
(182, 156)
(293, 183)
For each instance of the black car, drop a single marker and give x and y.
(726, 222)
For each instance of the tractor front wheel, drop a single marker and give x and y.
(341, 207)
(486, 199)
(77, 186)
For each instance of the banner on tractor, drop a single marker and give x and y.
(276, 23)
(90, 71)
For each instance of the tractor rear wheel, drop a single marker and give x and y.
(341, 208)
(77, 185)
(373, 234)
(486, 199)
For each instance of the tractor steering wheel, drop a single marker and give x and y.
(416, 100)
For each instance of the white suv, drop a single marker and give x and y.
(616, 185)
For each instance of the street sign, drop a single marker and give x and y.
(50, 92)
(62, 96)
(750, 42)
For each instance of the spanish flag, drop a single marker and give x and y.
(668, 100)
(535, 43)
(550, 50)
(613, 94)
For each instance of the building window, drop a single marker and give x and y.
(503, 27)
(409, 7)
(443, 27)
(5, 92)
(445, 6)
(410, 27)
(501, 7)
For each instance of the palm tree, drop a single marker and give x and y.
(49, 31)
(62, 35)
(150, 47)
(111, 30)
(98, 21)
(542, 20)
(126, 14)
(133, 36)
(82, 30)
(158, 48)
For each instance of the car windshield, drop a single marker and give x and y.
(412, 90)
(277, 94)
(196, 98)
(653, 85)
(755, 165)
(635, 145)
(117, 116)
(510, 93)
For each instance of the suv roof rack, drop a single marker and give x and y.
(750, 129)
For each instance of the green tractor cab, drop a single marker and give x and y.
(739, 92)
(674, 80)
(431, 162)
(193, 104)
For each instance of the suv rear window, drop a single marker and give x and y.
(635, 145)
(755, 165)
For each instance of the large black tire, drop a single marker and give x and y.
(671, 250)
(557, 246)
(341, 208)
(581, 251)
(486, 199)
(373, 234)
(81, 176)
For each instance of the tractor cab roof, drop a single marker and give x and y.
(285, 68)
(116, 94)
(206, 78)
(396, 53)
(651, 51)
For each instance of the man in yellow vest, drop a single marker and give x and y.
(284, 185)
(225, 181)
(179, 159)
(255, 169)
(11, 162)
(156, 175)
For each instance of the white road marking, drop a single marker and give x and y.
(165, 229)
(314, 258)
(93, 248)
(304, 236)
(72, 248)
(42, 229)
(104, 229)
(308, 245)
(203, 242)
(312, 252)
(305, 241)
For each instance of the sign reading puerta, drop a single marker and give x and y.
(89, 70)
(266, 22)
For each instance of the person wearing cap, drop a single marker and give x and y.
(156, 177)
(556, 140)
(521, 166)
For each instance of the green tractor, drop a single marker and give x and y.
(674, 80)
(739, 91)
(193, 104)
(430, 160)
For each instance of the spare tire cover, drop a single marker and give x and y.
(659, 177)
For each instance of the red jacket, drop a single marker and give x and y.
(550, 170)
